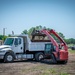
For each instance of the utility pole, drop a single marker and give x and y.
(4, 31)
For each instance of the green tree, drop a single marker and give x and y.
(9, 35)
(70, 41)
(25, 32)
(2, 37)
(36, 28)
(30, 30)
(61, 35)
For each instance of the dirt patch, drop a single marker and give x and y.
(36, 68)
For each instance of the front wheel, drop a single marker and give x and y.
(1, 60)
(9, 57)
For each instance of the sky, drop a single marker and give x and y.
(18, 15)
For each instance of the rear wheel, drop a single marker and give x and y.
(39, 56)
(9, 57)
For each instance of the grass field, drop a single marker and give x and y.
(37, 68)
(71, 51)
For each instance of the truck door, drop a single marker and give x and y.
(48, 49)
(18, 45)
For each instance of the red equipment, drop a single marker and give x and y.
(60, 54)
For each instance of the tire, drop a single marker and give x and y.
(1, 60)
(39, 56)
(63, 62)
(53, 59)
(9, 57)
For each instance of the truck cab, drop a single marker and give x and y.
(14, 46)
(15, 43)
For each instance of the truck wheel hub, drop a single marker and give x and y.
(40, 57)
(9, 58)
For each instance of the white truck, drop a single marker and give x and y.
(21, 47)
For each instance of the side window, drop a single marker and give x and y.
(48, 47)
(16, 41)
(19, 40)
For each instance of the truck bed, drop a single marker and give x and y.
(37, 46)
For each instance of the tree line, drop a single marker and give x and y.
(68, 41)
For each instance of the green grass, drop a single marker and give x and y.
(45, 70)
(70, 45)
(64, 74)
(71, 51)
(51, 71)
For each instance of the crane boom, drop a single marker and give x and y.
(49, 32)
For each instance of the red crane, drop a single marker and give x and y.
(61, 54)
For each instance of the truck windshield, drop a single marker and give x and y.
(9, 41)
